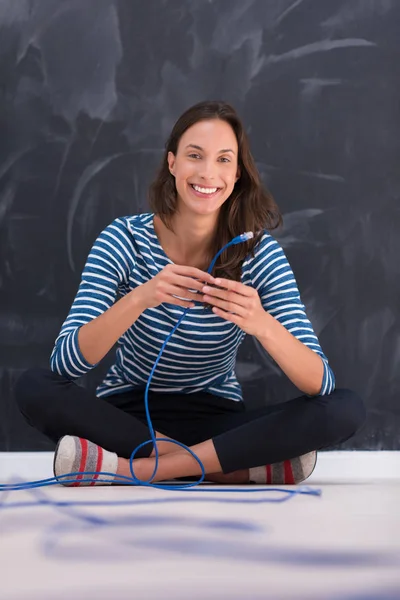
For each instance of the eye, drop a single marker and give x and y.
(194, 156)
(225, 159)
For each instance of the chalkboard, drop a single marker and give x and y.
(88, 94)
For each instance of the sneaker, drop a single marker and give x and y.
(288, 472)
(77, 455)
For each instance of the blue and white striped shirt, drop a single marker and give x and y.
(201, 354)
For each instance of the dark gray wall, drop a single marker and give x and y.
(89, 90)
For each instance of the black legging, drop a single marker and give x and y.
(242, 438)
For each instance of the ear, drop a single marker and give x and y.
(171, 162)
(237, 174)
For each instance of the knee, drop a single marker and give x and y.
(346, 414)
(30, 389)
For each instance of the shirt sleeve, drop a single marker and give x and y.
(273, 278)
(107, 268)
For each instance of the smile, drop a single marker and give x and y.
(204, 191)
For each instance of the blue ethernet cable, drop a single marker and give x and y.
(237, 240)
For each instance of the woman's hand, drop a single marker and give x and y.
(238, 303)
(174, 280)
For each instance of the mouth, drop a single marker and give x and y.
(204, 192)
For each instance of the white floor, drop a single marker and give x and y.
(343, 544)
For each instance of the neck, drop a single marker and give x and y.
(190, 242)
(194, 234)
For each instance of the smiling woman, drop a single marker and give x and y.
(207, 192)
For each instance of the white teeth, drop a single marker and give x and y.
(205, 190)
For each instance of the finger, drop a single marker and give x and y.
(229, 316)
(184, 293)
(227, 295)
(226, 306)
(235, 286)
(188, 283)
(194, 272)
(216, 292)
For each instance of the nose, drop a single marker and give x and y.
(207, 170)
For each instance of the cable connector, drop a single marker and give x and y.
(243, 237)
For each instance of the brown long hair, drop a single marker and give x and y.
(250, 207)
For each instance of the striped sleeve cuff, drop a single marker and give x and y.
(328, 381)
(67, 359)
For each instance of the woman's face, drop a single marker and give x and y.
(205, 166)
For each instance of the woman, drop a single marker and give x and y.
(207, 191)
